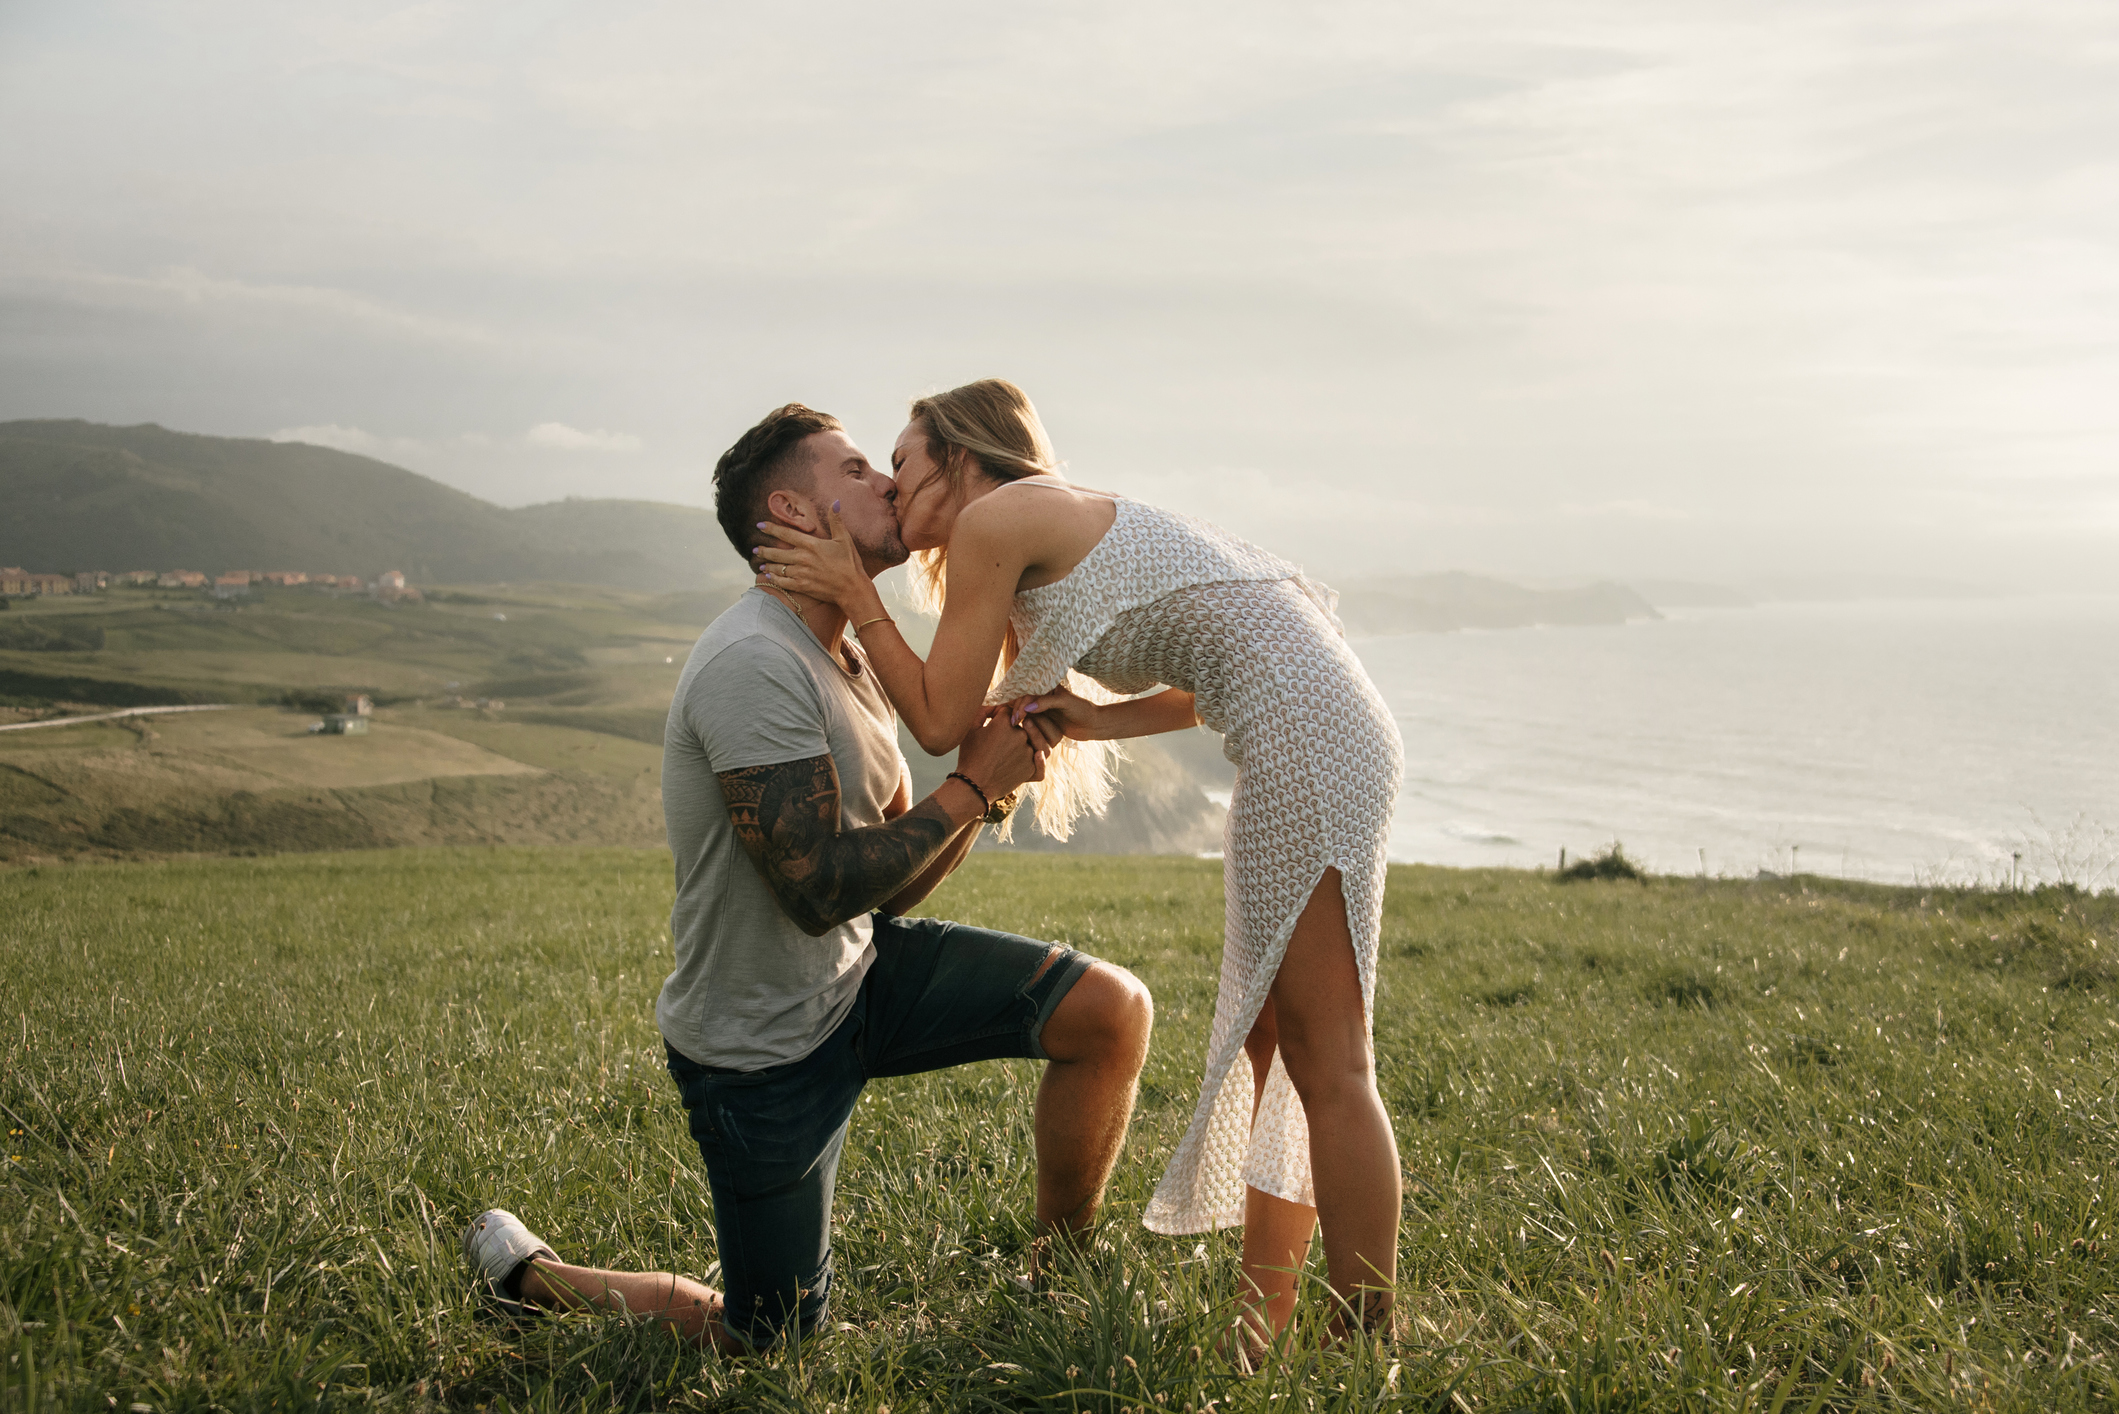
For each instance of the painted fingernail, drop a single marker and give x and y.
(834, 505)
(765, 525)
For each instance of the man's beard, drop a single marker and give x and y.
(889, 551)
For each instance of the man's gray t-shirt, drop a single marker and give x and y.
(751, 989)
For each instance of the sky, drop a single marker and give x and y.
(1736, 292)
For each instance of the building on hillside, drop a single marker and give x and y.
(286, 578)
(391, 589)
(360, 705)
(182, 579)
(51, 584)
(141, 577)
(89, 581)
(342, 724)
(234, 585)
(14, 581)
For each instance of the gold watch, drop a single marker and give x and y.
(1004, 807)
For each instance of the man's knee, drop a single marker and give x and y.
(1107, 1013)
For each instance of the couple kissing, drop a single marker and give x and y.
(1069, 619)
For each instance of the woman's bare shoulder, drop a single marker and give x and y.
(1032, 508)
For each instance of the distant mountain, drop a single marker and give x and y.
(1437, 603)
(83, 496)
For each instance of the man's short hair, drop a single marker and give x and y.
(759, 464)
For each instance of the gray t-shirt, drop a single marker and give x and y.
(751, 989)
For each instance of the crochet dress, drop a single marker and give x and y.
(1164, 599)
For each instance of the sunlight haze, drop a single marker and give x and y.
(1728, 293)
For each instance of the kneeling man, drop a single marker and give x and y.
(798, 848)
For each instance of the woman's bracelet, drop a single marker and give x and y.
(985, 804)
(878, 619)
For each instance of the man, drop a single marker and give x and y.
(797, 849)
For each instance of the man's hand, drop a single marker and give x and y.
(1000, 757)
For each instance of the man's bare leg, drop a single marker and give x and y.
(686, 1307)
(1098, 1040)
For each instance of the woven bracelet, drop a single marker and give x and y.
(985, 805)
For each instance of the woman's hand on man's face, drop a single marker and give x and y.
(826, 567)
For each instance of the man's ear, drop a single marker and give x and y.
(793, 508)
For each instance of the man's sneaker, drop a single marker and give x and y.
(498, 1246)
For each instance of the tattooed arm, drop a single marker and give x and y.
(787, 818)
(930, 878)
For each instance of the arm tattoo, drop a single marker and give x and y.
(787, 819)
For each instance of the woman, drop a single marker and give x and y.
(1045, 577)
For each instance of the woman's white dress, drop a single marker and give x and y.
(1167, 599)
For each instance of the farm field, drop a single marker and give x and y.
(571, 755)
(1701, 1145)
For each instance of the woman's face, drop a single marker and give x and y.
(926, 506)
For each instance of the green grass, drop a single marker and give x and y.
(1687, 1145)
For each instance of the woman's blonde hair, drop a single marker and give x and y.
(992, 427)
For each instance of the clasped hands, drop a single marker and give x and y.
(1008, 747)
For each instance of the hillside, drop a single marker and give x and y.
(505, 715)
(81, 495)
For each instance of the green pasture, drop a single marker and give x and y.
(585, 676)
(586, 645)
(1689, 1145)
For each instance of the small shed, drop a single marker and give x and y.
(345, 724)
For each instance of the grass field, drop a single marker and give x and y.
(1694, 1145)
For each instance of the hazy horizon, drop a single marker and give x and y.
(1632, 290)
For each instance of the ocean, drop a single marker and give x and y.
(1902, 741)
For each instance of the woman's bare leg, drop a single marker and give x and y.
(1324, 1043)
(689, 1308)
(1276, 1233)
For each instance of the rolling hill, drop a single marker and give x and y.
(81, 495)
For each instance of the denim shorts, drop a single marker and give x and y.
(937, 995)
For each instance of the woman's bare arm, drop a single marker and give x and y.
(996, 540)
(1062, 713)
(941, 697)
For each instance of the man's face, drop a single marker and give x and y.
(866, 497)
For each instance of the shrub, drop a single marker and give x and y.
(1611, 864)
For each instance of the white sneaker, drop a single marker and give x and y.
(497, 1244)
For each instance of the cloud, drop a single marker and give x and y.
(573, 439)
